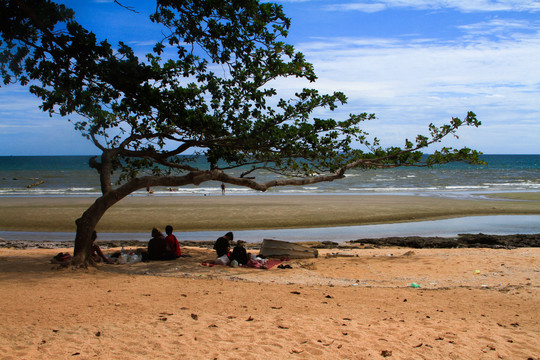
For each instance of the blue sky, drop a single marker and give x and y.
(411, 62)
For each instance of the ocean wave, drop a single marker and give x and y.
(70, 176)
(86, 189)
(394, 189)
(515, 184)
(324, 188)
(465, 187)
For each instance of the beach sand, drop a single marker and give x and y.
(471, 304)
(205, 213)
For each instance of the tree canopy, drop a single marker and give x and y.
(214, 97)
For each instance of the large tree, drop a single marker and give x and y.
(214, 97)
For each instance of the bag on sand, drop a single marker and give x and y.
(61, 258)
(223, 260)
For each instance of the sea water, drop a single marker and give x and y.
(71, 176)
(493, 225)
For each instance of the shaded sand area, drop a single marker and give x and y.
(471, 304)
(201, 213)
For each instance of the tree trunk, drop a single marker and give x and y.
(90, 218)
(85, 226)
(87, 222)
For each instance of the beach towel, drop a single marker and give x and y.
(268, 264)
(253, 264)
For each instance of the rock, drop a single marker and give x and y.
(463, 240)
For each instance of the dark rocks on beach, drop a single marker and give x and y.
(415, 242)
(463, 240)
(325, 245)
(29, 244)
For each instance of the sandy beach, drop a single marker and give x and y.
(200, 213)
(471, 304)
(357, 303)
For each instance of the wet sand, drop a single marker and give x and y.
(209, 213)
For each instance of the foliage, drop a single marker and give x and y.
(214, 97)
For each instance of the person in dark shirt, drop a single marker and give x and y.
(222, 244)
(156, 245)
(239, 253)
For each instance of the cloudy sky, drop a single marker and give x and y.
(411, 62)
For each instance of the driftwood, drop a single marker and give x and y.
(36, 184)
(279, 248)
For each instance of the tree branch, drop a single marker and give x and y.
(130, 8)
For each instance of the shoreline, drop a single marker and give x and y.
(220, 213)
(488, 241)
(497, 225)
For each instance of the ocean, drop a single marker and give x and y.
(71, 176)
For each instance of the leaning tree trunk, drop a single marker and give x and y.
(90, 218)
(86, 225)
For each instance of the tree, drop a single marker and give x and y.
(214, 98)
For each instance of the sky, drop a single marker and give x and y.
(411, 62)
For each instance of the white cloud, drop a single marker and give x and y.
(368, 8)
(410, 83)
(499, 27)
(15, 100)
(460, 5)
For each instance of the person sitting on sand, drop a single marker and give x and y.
(239, 254)
(97, 254)
(172, 250)
(222, 244)
(157, 246)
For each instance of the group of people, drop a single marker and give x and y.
(160, 247)
(238, 256)
(163, 247)
(167, 247)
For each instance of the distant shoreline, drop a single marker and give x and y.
(525, 195)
